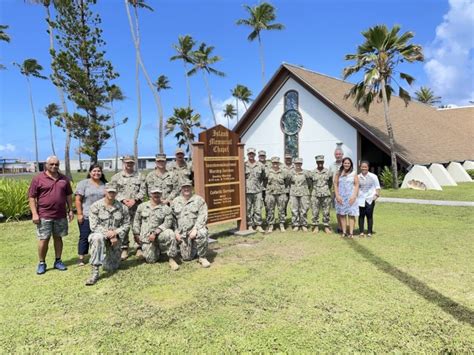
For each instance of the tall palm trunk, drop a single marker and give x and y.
(262, 61)
(237, 107)
(34, 125)
(209, 97)
(51, 135)
(67, 145)
(136, 41)
(391, 138)
(79, 154)
(188, 86)
(139, 111)
(115, 134)
(245, 105)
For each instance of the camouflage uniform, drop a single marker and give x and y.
(289, 170)
(333, 169)
(299, 195)
(321, 195)
(103, 218)
(167, 183)
(129, 187)
(182, 173)
(254, 179)
(154, 219)
(189, 214)
(276, 195)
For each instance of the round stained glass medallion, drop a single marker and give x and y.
(291, 122)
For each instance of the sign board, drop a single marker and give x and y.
(219, 156)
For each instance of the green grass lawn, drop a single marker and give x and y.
(463, 192)
(409, 289)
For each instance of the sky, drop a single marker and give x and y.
(317, 35)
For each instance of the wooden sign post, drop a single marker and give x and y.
(219, 175)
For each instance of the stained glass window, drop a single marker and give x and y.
(291, 122)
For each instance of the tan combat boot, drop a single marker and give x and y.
(260, 229)
(270, 229)
(316, 229)
(295, 229)
(173, 264)
(124, 255)
(304, 229)
(282, 227)
(327, 230)
(204, 262)
(139, 254)
(94, 276)
(250, 228)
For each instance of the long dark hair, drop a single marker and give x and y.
(102, 177)
(341, 169)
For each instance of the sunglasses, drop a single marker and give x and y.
(54, 164)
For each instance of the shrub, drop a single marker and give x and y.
(386, 178)
(471, 173)
(14, 198)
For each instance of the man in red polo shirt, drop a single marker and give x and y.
(48, 196)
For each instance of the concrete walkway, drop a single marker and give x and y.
(426, 202)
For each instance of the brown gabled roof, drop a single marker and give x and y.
(423, 134)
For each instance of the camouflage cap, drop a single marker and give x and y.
(298, 161)
(128, 159)
(160, 157)
(319, 157)
(288, 156)
(251, 151)
(262, 152)
(155, 189)
(179, 151)
(110, 187)
(275, 159)
(186, 182)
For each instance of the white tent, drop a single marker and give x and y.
(441, 175)
(421, 173)
(458, 173)
(468, 165)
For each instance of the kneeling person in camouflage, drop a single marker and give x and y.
(109, 221)
(190, 214)
(152, 227)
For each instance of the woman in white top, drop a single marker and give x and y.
(369, 191)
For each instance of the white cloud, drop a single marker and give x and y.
(7, 148)
(450, 62)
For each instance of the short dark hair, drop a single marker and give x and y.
(341, 169)
(365, 162)
(94, 166)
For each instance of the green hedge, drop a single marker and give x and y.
(14, 199)
(471, 173)
(386, 178)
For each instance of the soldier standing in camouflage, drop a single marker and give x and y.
(164, 180)
(276, 196)
(190, 215)
(254, 178)
(300, 182)
(110, 222)
(131, 192)
(321, 194)
(262, 158)
(182, 169)
(289, 169)
(152, 226)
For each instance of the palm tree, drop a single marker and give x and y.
(378, 58)
(202, 61)
(3, 37)
(67, 146)
(115, 94)
(427, 96)
(136, 41)
(229, 113)
(186, 121)
(260, 19)
(52, 111)
(242, 93)
(30, 67)
(184, 50)
(162, 83)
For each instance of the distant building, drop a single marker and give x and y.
(13, 166)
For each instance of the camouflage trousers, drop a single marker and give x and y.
(254, 209)
(321, 204)
(103, 253)
(278, 201)
(131, 212)
(189, 248)
(161, 245)
(299, 210)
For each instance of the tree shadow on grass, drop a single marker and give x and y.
(458, 311)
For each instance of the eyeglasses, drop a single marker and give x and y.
(54, 164)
